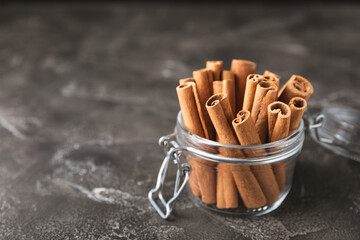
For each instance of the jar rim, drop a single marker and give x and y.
(212, 143)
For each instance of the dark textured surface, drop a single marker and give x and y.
(86, 91)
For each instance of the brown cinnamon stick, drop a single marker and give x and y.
(241, 69)
(218, 87)
(216, 67)
(191, 121)
(185, 80)
(264, 95)
(296, 86)
(247, 135)
(203, 170)
(204, 86)
(226, 74)
(226, 87)
(297, 107)
(272, 79)
(188, 108)
(206, 179)
(271, 74)
(193, 180)
(221, 115)
(250, 191)
(279, 116)
(248, 186)
(226, 192)
(229, 88)
(278, 121)
(251, 82)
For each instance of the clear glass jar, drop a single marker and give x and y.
(335, 127)
(233, 179)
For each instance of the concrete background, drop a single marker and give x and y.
(87, 90)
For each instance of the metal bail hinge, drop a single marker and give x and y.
(173, 152)
(317, 123)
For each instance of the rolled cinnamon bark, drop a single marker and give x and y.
(296, 86)
(203, 170)
(226, 193)
(185, 80)
(247, 135)
(206, 179)
(265, 94)
(229, 88)
(248, 186)
(188, 108)
(224, 86)
(221, 115)
(204, 86)
(250, 191)
(218, 109)
(251, 82)
(216, 67)
(278, 121)
(279, 116)
(226, 74)
(241, 69)
(272, 79)
(271, 74)
(297, 107)
(193, 181)
(191, 120)
(218, 87)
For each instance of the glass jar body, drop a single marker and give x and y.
(241, 180)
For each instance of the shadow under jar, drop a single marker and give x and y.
(231, 179)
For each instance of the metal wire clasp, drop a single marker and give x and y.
(317, 123)
(173, 152)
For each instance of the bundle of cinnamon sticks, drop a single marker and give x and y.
(238, 106)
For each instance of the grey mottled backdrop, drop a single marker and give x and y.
(86, 91)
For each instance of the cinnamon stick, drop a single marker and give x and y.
(226, 74)
(216, 67)
(203, 170)
(241, 69)
(296, 86)
(278, 121)
(251, 82)
(206, 179)
(225, 86)
(218, 87)
(204, 86)
(221, 115)
(250, 191)
(279, 116)
(185, 80)
(193, 180)
(188, 108)
(264, 95)
(297, 107)
(229, 88)
(191, 120)
(248, 186)
(226, 192)
(271, 74)
(272, 79)
(247, 135)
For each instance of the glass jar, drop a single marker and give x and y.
(232, 179)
